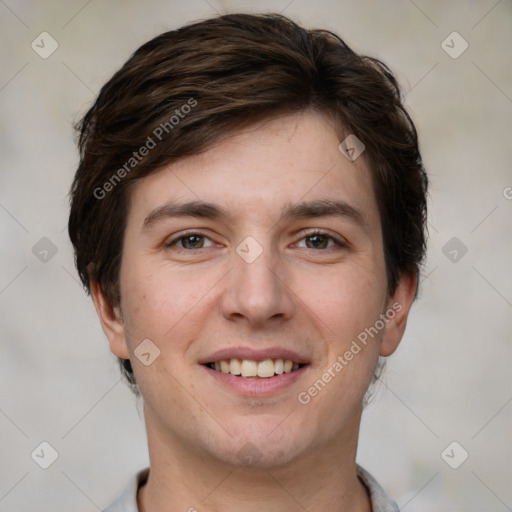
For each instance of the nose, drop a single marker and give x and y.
(258, 292)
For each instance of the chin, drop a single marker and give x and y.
(262, 444)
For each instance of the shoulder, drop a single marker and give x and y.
(381, 502)
(127, 500)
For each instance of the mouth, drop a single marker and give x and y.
(254, 369)
(257, 373)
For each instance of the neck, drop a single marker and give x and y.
(181, 479)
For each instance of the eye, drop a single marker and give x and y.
(190, 241)
(321, 240)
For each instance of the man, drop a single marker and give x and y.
(248, 215)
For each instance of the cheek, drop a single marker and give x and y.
(164, 305)
(160, 307)
(143, 302)
(346, 300)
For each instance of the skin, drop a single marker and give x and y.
(311, 298)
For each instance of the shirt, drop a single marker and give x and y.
(127, 501)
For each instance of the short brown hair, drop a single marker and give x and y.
(200, 83)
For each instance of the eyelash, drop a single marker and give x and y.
(317, 232)
(311, 234)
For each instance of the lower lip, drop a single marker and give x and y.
(254, 386)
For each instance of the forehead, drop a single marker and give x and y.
(262, 172)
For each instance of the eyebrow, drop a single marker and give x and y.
(306, 209)
(324, 208)
(188, 209)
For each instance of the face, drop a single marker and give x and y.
(256, 295)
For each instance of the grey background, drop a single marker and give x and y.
(449, 381)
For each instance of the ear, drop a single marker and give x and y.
(399, 303)
(111, 322)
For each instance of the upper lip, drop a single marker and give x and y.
(254, 354)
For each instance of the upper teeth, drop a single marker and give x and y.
(251, 368)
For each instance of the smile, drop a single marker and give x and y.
(250, 368)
